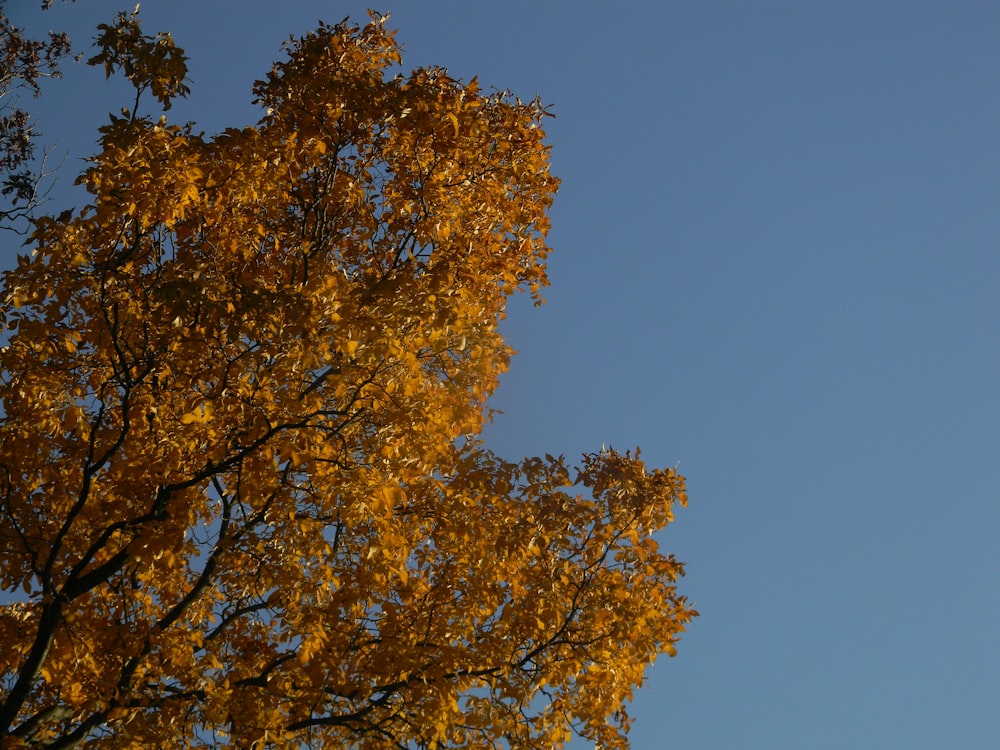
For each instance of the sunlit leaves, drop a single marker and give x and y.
(241, 392)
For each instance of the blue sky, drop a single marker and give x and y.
(777, 254)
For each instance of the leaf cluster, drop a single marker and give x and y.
(152, 63)
(24, 64)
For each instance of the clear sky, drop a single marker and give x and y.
(777, 257)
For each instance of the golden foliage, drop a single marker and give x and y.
(243, 499)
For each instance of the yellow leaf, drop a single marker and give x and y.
(203, 413)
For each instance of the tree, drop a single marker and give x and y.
(244, 502)
(24, 64)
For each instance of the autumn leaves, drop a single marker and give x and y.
(260, 494)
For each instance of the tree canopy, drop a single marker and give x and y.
(244, 498)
